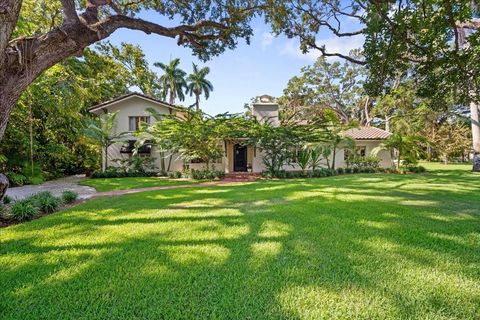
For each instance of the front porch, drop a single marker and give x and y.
(239, 156)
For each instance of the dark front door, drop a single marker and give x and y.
(240, 158)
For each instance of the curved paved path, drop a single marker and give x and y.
(56, 187)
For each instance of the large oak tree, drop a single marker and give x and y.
(69, 26)
(436, 42)
(208, 27)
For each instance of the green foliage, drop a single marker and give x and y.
(408, 147)
(364, 163)
(59, 99)
(191, 135)
(276, 143)
(32, 172)
(7, 199)
(136, 163)
(132, 58)
(16, 179)
(23, 210)
(206, 174)
(173, 81)
(197, 84)
(102, 131)
(303, 159)
(45, 202)
(337, 86)
(69, 196)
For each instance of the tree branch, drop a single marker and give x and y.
(186, 33)
(69, 12)
(9, 11)
(324, 52)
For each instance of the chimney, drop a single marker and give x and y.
(266, 110)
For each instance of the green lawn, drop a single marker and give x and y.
(110, 184)
(345, 247)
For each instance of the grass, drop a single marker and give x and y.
(111, 184)
(345, 247)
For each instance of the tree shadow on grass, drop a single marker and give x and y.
(296, 250)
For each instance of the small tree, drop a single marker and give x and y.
(102, 132)
(303, 159)
(408, 147)
(276, 143)
(191, 134)
(315, 157)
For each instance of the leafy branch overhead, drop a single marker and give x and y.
(65, 28)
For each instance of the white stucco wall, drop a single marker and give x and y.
(384, 155)
(266, 112)
(132, 107)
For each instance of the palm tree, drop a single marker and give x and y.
(102, 132)
(198, 85)
(172, 81)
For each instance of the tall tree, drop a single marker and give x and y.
(198, 84)
(436, 42)
(35, 35)
(172, 81)
(323, 85)
(133, 59)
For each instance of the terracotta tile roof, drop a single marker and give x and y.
(128, 95)
(367, 133)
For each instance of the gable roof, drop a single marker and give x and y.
(367, 133)
(128, 96)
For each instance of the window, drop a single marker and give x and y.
(134, 123)
(359, 151)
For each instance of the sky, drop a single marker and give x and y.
(263, 67)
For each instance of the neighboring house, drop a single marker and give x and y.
(238, 157)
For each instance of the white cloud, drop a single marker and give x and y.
(332, 44)
(267, 40)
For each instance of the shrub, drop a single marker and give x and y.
(162, 173)
(340, 171)
(7, 199)
(219, 174)
(16, 179)
(348, 170)
(178, 174)
(69, 196)
(421, 169)
(45, 202)
(23, 210)
(355, 170)
(281, 174)
(171, 175)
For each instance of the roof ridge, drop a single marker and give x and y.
(131, 94)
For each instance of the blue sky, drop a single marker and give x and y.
(263, 67)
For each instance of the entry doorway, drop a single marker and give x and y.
(239, 158)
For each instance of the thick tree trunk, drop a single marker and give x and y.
(474, 115)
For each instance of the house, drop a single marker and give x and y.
(238, 157)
